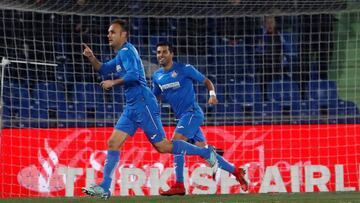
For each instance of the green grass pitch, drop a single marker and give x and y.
(322, 197)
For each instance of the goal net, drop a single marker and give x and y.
(285, 72)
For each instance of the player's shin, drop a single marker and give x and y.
(110, 164)
(179, 167)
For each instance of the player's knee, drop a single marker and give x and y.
(200, 144)
(113, 144)
(179, 136)
(163, 147)
(160, 149)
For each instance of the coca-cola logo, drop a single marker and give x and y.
(43, 176)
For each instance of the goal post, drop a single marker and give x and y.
(4, 62)
(285, 72)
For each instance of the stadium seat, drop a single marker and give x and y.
(49, 95)
(323, 93)
(314, 71)
(115, 95)
(230, 55)
(347, 112)
(89, 94)
(7, 98)
(291, 45)
(268, 112)
(287, 95)
(110, 111)
(20, 100)
(244, 93)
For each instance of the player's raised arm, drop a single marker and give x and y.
(91, 57)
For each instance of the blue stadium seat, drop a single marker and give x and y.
(94, 93)
(89, 95)
(116, 95)
(309, 112)
(268, 112)
(113, 106)
(20, 99)
(7, 116)
(230, 57)
(22, 105)
(109, 111)
(348, 108)
(323, 93)
(137, 42)
(49, 95)
(50, 102)
(347, 112)
(37, 111)
(243, 94)
(135, 26)
(291, 45)
(287, 95)
(7, 98)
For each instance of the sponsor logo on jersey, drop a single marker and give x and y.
(173, 85)
(118, 68)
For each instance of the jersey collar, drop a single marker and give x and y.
(171, 68)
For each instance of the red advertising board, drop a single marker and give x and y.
(278, 158)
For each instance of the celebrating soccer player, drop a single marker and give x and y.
(141, 109)
(171, 82)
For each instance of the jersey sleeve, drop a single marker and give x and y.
(156, 89)
(130, 65)
(194, 74)
(108, 67)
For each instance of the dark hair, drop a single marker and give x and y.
(124, 25)
(168, 44)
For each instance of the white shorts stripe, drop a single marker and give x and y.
(191, 119)
(152, 119)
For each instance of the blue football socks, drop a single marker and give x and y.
(225, 165)
(179, 160)
(112, 159)
(182, 147)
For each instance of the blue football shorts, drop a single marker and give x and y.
(189, 125)
(144, 115)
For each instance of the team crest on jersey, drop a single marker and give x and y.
(174, 74)
(118, 68)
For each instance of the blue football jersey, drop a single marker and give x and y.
(175, 86)
(128, 65)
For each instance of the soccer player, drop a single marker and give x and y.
(173, 83)
(141, 111)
